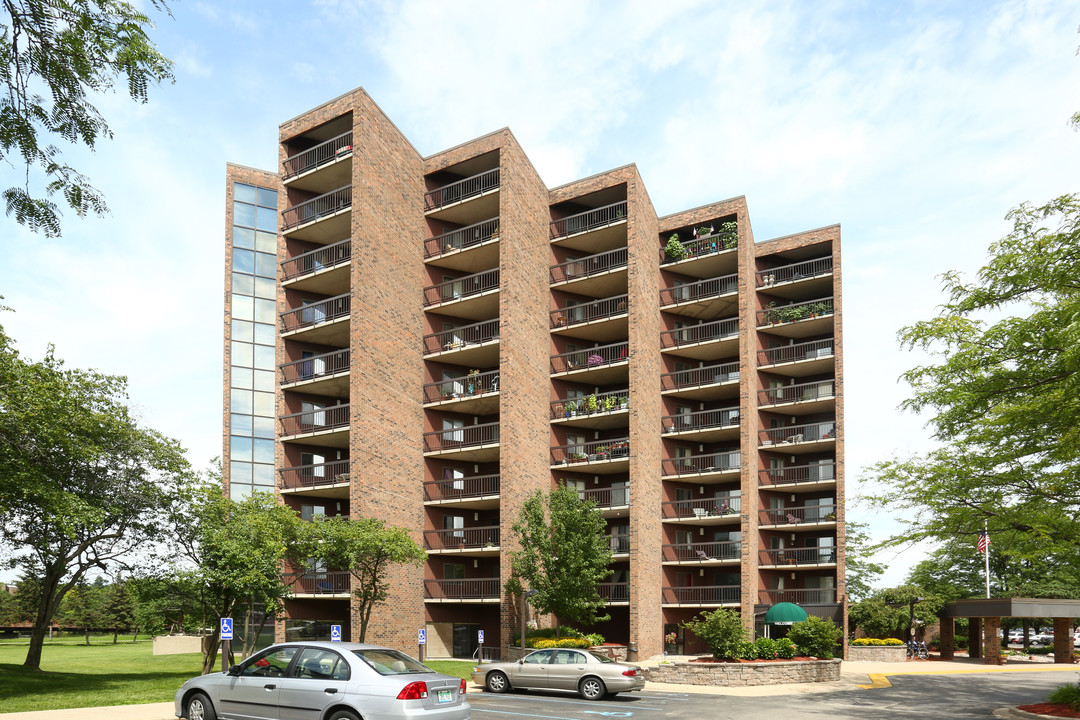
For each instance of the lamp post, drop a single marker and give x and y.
(524, 596)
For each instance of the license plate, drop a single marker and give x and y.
(445, 696)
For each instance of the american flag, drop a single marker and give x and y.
(984, 541)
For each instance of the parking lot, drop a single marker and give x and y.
(549, 706)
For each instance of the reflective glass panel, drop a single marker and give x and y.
(240, 424)
(243, 261)
(242, 354)
(244, 193)
(243, 307)
(264, 451)
(242, 330)
(264, 357)
(264, 380)
(265, 311)
(266, 242)
(243, 284)
(264, 334)
(265, 265)
(264, 404)
(265, 288)
(263, 475)
(240, 472)
(267, 198)
(238, 492)
(240, 401)
(240, 377)
(239, 448)
(243, 214)
(266, 219)
(243, 238)
(263, 427)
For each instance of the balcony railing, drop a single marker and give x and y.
(614, 591)
(462, 437)
(795, 312)
(701, 420)
(798, 556)
(462, 287)
(607, 497)
(794, 474)
(468, 589)
(316, 313)
(594, 451)
(802, 392)
(799, 351)
(703, 595)
(461, 387)
(726, 550)
(799, 596)
(462, 336)
(797, 515)
(700, 290)
(588, 220)
(589, 358)
(726, 461)
(704, 332)
(706, 245)
(462, 238)
(317, 475)
(703, 508)
(317, 207)
(619, 544)
(322, 258)
(462, 488)
(333, 582)
(709, 375)
(589, 265)
(462, 189)
(810, 432)
(589, 312)
(315, 367)
(795, 271)
(462, 538)
(312, 421)
(322, 154)
(591, 404)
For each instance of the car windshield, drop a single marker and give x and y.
(601, 658)
(391, 662)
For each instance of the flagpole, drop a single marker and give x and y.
(986, 532)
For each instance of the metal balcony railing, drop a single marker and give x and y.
(594, 451)
(462, 189)
(317, 475)
(462, 238)
(797, 515)
(315, 367)
(614, 591)
(461, 488)
(705, 245)
(462, 287)
(332, 582)
(467, 589)
(607, 497)
(462, 387)
(703, 595)
(725, 461)
(589, 265)
(332, 417)
(461, 437)
(802, 392)
(700, 290)
(703, 332)
(799, 596)
(798, 351)
(726, 550)
(316, 208)
(619, 544)
(810, 432)
(324, 258)
(701, 420)
(708, 375)
(703, 508)
(794, 474)
(589, 312)
(588, 220)
(795, 271)
(322, 154)
(782, 314)
(798, 556)
(462, 538)
(316, 313)
(594, 357)
(591, 404)
(462, 336)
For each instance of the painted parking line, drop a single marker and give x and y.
(614, 713)
(584, 703)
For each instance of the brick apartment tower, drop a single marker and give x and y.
(429, 340)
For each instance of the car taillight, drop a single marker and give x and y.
(630, 673)
(414, 691)
(462, 688)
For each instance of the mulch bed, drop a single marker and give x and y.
(714, 660)
(1055, 709)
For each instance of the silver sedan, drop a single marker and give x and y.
(590, 674)
(324, 681)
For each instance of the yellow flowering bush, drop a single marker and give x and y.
(543, 643)
(877, 641)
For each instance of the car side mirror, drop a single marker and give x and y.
(521, 661)
(235, 670)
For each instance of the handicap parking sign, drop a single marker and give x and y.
(421, 636)
(335, 633)
(226, 629)
(480, 636)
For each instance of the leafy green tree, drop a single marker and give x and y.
(815, 636)
(722, 631)
(563, 555)
(83, 607)
(72, 49)
(892, 612)
(119, 609)
(860, 571)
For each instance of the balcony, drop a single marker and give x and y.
(597, 229)
(475, 394)
(708, 468)
(475, 492)
(798, 320)
(814, 357)
(326, 374)
(599, 275)
(615, 593)
(795, 439)
(330, 479)
(599, 457)
(799, 596)
(475, 344)
(704, 299)
(610, 500)
(473, 296)
(702, 596)
(321, 584)
(712, 382)
(702, 553)
(600, 365)
(469, 249)
(463, 200)
(473, 541)
(798, 280)
(797, 557)
(599, 321)
(799, 478)
(325, 322)
(478, 443)
(703, 425)
(598, 411)
(323, 270)
(704, 341)
(323, 166)
(326, 427)
(322, 219)
(464, 590)
(800, 399)
(799, 515)
(705, 511)
(707, 256)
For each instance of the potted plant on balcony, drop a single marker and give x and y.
(602, 452)
(675, 250)
(610, 402)
(577, 457)
(473, 385)
(569, 409)
(591, 404)
(344, 150)
(729, 234)
(560, 321)
(595, 360)
(624, 402)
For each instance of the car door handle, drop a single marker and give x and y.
(270, 687)
(330, 691)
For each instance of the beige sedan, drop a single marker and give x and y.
(590, 674)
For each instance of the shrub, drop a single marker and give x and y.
(722, 631)
(746, 650)
(815, 636)
(542, 643)
(1068, 695)
(877, 641)
(674, 249)
(765, 649)
(785, 649)
(536, 634)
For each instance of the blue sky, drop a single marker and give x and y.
(916, 125)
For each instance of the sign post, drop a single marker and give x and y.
(226, 643)
(480, 642)
(335, 633)
(421, 640)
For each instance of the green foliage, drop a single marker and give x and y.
(721, 630)
(1067, 695)
(785, 649)
(815, 636)
(745, 650)
(674, 249)
(541, 643)
(860, 572)
(765, 649)
(888, 612)
(74, 49)
(878, 642)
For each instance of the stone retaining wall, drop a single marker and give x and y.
(877, 653)
(745, 674)
(177, 644)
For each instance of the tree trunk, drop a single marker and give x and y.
(47, 604)
(86, 633)
(210, 656)
(135, 637)
(114, 634)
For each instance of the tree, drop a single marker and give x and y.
(83, 607)
(72, 48)
(119, 609)
(563, 555)
(1004, 390)
(84, 485)
(892, 612)
(368, 548)
(860, 572)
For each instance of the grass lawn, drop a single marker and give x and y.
(457, 668)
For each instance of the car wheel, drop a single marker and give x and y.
(592, 688)
(497, 682)
(344, 715)
(199, 707)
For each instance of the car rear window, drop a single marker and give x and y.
(601, 658)
(391, 662)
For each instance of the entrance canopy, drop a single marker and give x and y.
(784, 613)
(1010, 607)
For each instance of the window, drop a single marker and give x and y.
(269, 663)
(456, 524)
(540, 657)
(391, 662)
(317, 664)
(454, 431)
(312, 512)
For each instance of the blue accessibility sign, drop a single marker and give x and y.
(421, 636)
(335, 633)
(226, 629)
(480, 636)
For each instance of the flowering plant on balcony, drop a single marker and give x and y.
(594, 360)
(671, 638)
(473, 372)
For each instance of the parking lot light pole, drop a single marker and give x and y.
(524, 596)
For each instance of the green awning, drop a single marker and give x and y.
(784, 613)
